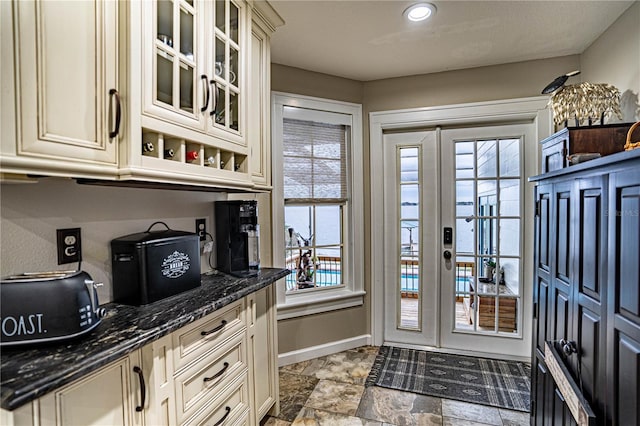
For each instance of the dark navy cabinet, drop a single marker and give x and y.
(586, 288)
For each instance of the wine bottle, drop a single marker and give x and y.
(147, 147)
(192, 155)
(168, 153)
(211, 161)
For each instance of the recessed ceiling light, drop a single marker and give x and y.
(419, 11)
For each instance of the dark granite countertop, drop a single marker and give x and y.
(30, 372)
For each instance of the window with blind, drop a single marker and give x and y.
(317, 203)
(316, 200)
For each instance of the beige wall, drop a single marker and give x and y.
(302, 82)
(31, 213)
(614, 58)
(507, 81)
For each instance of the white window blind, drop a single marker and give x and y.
(314, 163)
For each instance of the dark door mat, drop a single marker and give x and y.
(504, 384)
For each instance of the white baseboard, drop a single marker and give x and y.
(323, 350)
(476, 354)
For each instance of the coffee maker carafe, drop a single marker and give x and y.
(237, 237)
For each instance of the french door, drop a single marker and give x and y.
(455, 237)
(486, 201)
(411, 210)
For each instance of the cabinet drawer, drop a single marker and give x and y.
(229, 409)
(205, 334)
(204, 380)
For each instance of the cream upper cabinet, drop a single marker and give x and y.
(66, 101)
(259, 128)
(161, 91)
(194, 65)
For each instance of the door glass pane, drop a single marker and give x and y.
(187, 81)
(409, 165)
(233, 22)
(510, 157)
(164, 22)
(465, 196)
(465, 160)
(233, 67)
(164, 77)
(220, 62)
(510, 237)
(465, 279)
(409, 201)
(233, 111)
(510, 275)
(465, 236)
(186, 34)
(487, 159)
(220, 6)
(220, 107)
(509, 197)
(409, 237)
(487, 232)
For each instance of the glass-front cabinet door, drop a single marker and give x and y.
(194, 73)
(175, 90)
(226, 56)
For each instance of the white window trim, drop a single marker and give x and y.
(352, 294)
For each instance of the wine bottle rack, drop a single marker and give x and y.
(169, 148)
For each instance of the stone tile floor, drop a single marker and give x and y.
(330, 391)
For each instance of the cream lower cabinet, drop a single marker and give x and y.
(220, 369)
(263, 351)
(64, 111)
(109, 396)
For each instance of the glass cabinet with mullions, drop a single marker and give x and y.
(197, 65)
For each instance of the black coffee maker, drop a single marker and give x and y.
(237, 237)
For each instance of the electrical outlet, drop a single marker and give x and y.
(201, 228)
(69, 245)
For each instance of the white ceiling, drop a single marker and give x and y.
(369, 40)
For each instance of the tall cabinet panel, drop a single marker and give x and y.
(623, 331)
(66, 87)
(587, 289)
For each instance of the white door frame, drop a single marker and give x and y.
(471, 114)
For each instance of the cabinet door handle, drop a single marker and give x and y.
(143, 388)
(215, 98)
(213, 330)
(218, 374)
(116, 129)
(206, 99)
(219, 422)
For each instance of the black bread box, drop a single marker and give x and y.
(152, 265)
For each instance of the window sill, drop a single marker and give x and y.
(314, 303)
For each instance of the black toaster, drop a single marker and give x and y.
(48, 306)
(152, 265)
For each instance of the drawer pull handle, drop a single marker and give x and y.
(143, 388)
(219, 422)
(218, 374)
(213, 330)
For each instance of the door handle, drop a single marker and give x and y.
(446, 254)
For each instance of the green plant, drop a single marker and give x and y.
(490, 262)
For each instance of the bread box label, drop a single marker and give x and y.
(176, 265)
